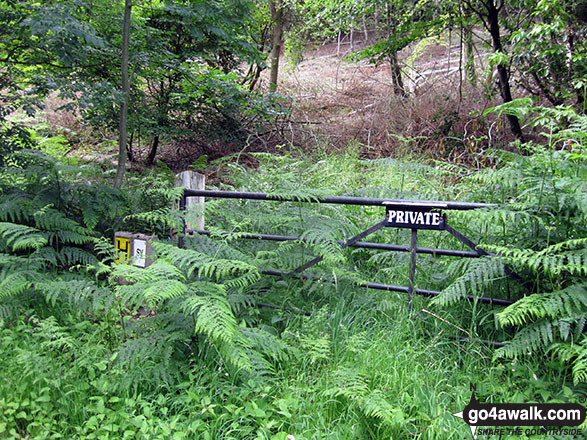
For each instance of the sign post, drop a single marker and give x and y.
(123, 245)
(413, 254)
(421, 215)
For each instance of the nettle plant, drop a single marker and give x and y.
(540, 234)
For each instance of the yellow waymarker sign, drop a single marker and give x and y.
(122, 246)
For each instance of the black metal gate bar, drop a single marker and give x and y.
(432, 293)
(403, 289)
(340, 200)
(358, 244)
(349, 242)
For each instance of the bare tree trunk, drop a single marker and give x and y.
(153, 151)
(129, 152)
(276, 9)
(396, 75)
(352, 33)
(469, 53)
(126, 92)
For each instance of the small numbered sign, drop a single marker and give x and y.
(140, 253)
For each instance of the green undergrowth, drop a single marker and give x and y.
(202, 344)
(355, 369)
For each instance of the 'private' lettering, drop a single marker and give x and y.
(415, 219)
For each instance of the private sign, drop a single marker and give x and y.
(418, 217)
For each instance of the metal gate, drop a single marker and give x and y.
(410, 214)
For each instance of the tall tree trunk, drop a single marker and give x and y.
(126, 92)
(502, 73)
(276, 9)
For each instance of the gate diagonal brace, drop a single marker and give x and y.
(459, 236)
(346, 244)
(452, 231)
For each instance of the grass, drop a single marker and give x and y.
(361, 368)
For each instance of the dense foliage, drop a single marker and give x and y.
(539, 234)
(202, 343)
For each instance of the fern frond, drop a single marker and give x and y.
(575, 352)
(564, 246)
(71, 255)
(348, 382)
(76, 292)
(244, 280)
(71, 237)
(317, 347)
(16, 208)
(47, 255)
(146, 359)
(15, 283)
(547, 261)
(162, 290)
(8, 311)
(375, 405)
(214, 317)
(220, 269)
(21, 237)
(50, 219)
(166, 217)
(266, 343)
(14, 262)
(55, 337)
(482, 272)
(300, 194)
(187, 260)
(553, 305)
(104, 249)
(535, 336)
(512, 215)
(236, 353)
(324, 243)
(159, 270)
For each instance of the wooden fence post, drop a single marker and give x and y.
(194, 205)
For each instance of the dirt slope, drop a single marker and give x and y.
(336, 101)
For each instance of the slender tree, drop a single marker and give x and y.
(276, 9)
(122, 139)
(488, 11)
